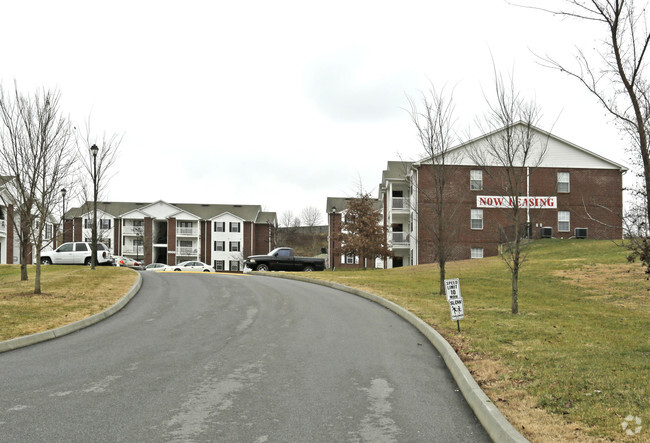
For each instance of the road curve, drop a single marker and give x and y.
(208, 357)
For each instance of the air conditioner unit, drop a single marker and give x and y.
(580, 232)
(547, 232)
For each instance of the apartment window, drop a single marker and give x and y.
(219, 226)
(107, 242)
(218, 265)
(105, 223)
(48, 231)
(477, 219)
(563, 221)
(138, 223)
(563, 182)
(234, 227)
(88, 224)
(475, 180)
(234, 246)
(234, 265)
(349, 259)
(182, 243)
(477, 252)
(184, 224)
(219, 246)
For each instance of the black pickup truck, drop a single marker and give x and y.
(282, 259)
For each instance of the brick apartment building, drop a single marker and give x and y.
(571, 193)
(220, 235)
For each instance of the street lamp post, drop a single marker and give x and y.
(63, 192)
(93, 259)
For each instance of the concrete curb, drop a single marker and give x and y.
(488, 414)
(27, 340)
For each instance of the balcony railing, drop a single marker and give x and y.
(186, 251)
(400, 237)
(400, 203)
(3, 226)
(188, 232)
(133, 250)
(133, 230)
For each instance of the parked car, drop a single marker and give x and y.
(282, 259)
(155, 267)
(76, 253)
(195, 266)
(119, 260)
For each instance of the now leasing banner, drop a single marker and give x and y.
(487, 201)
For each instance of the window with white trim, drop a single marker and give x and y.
(477, 252)
(219, 226)
(105, 223)
(234, 227)
(234, 265)
(219, 246)
(234, 246)
(218, 265)
(563, 182)
(476, 180)
(563, 221)
(477, 219)
(349, 259)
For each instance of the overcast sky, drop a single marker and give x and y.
(284, 103)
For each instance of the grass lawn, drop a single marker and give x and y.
(573, 364)
(70, 293)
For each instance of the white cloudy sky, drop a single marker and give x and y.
(283, 103)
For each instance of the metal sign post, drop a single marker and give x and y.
(455, 300)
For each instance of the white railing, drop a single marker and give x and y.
(400, 203)
(133, 230)
(3, 226)
(186, 251)
(133, 250)
(191, 232)
(400, 237)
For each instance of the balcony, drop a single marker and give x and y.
(133, 250)
(3, 226)
(186, 232)
(400, 204)
(133, 230)
(400, 238)
(186, 251)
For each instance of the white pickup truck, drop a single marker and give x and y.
(76, 253)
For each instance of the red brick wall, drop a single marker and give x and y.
(148, 239)
(261, 242)
(68, 229)
(117, 239)
(592, 191)
(206, 242)
(77, 230)
(248, 235)
(171, 241)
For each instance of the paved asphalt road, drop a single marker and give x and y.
(208, 357)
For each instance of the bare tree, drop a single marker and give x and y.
(96, 173)
(287, 218)
(510, 152)
(35, 151)
(434, 121)
(310, 216)
(616, 74)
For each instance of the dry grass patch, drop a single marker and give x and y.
(69, 293)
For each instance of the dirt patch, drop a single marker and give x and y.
(520, 408)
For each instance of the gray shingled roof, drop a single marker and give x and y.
(341, 203)
(203, 211)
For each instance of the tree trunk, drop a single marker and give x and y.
(24, 245)
(442, 276)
